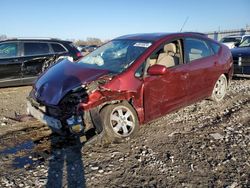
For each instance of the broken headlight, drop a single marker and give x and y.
(75, 124)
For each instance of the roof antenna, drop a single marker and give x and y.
(184, 23)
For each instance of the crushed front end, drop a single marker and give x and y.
(67, 115)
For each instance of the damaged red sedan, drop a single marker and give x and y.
(129, 81)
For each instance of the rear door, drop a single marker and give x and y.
(35, 56)
(10, 64)
(201, 63)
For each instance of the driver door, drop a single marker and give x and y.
(10, 64)
(167, 92)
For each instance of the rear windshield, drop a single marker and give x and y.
(231, 39)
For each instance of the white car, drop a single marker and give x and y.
(230, 41)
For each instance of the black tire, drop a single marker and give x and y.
(220, 89)
(119, 121)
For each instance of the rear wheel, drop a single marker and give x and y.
(119, 121)
(220, 89)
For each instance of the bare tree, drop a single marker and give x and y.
(93, 41)
(89, 41)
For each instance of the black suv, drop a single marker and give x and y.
(22, 60)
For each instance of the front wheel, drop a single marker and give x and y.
(119, 121)
(220, 89)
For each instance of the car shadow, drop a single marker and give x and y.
(66, 156)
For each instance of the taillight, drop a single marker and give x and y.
(78, 55)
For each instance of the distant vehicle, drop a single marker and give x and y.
(130, 81)
(241, 57)
(87, 48)
(23, 59)
(233, 41)
(81, 48)
(91, 48)
(230, 41)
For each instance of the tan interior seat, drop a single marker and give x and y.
(168, 58)
(151, 62)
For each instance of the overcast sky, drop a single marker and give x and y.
(106, 19)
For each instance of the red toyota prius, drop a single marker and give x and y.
(130, 81)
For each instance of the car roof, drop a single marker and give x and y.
(37, 40)
(233, 36)
(154, 36)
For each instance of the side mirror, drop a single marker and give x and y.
(236, 44)
(157, 70)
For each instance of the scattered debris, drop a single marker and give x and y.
(217, 136)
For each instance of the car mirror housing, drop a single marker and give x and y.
(236, 44)
(157, 70)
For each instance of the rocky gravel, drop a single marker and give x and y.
(206, 144)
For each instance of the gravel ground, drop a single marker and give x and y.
(203, 145)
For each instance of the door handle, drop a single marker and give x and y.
(184, 76)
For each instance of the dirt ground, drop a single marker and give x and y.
(203, 145)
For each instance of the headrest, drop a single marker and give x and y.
(170, 48)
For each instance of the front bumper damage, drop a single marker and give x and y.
(67, 115)
(79, 110)
(48, 120)
(77, 124)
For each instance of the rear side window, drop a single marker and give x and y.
(196, 49)
(32, 48)
(215, 47)
(8, 50)
(58, 48)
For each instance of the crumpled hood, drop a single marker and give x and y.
(241, 51)
(61, 78)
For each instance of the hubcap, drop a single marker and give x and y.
(220, 88)
(122, 121)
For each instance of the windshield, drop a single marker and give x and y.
(230, 39)
(115, 56)
(245, 42)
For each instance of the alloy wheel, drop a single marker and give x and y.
(220, 87)
(122, 121)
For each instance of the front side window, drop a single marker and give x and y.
(168, 55)
(32, 48)
(115, 56)
(196, 49)
(8, 50)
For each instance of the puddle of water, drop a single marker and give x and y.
(20, 162)
(28, 145)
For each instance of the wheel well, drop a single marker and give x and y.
(130, 101)
(102, 106)
(228, 79)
